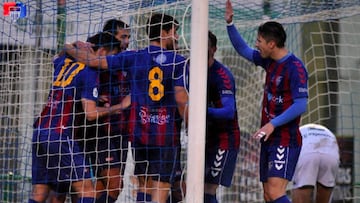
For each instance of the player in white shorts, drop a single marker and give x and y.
(317, 166)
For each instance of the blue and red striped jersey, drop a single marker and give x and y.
(116, 86)
(286, 80)
(153, 72)
(221, 133)
(63, 111)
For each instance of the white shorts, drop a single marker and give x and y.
(316, 167)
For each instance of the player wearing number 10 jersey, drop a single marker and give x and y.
(58, 160)
(158, 100)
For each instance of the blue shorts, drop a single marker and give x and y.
(161, 163)
(278, 161)
(106, 152)
(219, 166)
(57, 159)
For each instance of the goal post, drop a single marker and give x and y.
(324, 34)
(197, 102)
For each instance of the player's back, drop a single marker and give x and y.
(72, 81)
(318, 139)
(154, 75)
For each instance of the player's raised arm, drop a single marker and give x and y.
(229, 13)
(237, 41)
(84, 55)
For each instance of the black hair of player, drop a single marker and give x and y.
(272, 30)
(104, 39)
(113, 25)
(212, 39)
(158, 22)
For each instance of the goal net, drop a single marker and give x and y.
(324, 34)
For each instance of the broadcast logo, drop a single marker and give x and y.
(14, 9)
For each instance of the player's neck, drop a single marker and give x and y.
(158, 44)
(279, 53)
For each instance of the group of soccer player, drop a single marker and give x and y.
(104, 96)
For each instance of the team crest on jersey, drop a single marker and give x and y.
(95, 92)
(278, 80)
(160, 59)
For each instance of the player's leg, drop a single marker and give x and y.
(140, 155)
(144, 189)
(323, 194)
(326, 181)
(305, 177)
(109, 166)
(85, 190)
(39, 193)
(275, 190)
(219, 170)
(283, 161)
(160, 192)
(164, 168)
(178, 187)
(79, 172)
(42, 175)
(178, 190)
(111, 180)
(303, 194)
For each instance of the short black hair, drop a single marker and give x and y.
(113, 25)
(104, 39)
(272, 30)
(212, 39)
(158, 22)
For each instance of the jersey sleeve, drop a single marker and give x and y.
(181, 73)
(90, 84)
(121, 61)
(299, 79)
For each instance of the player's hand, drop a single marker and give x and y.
(264, 132)
(104, 101)
(229, 13)
(116, 109)
(86, 46)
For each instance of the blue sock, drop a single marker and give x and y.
(208, 198)
(143, 197)
(86, 200)
(282, 199)
(32, 201)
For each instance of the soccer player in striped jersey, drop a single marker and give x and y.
(222, 132)
(284, 100)
(58, 162)
(108, 141)
(158, 101)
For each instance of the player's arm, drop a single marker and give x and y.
(126, 102)
(296, 109)
(237, 41)
(181, 98)
(92, 112)
(227, 111)
(85, 55)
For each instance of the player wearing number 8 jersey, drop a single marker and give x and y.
(158, 99)
(58, 161)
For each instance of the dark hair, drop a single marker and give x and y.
(113, 25)
(272, 30)
(212, 39)
(104, 39)
(158, 22)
